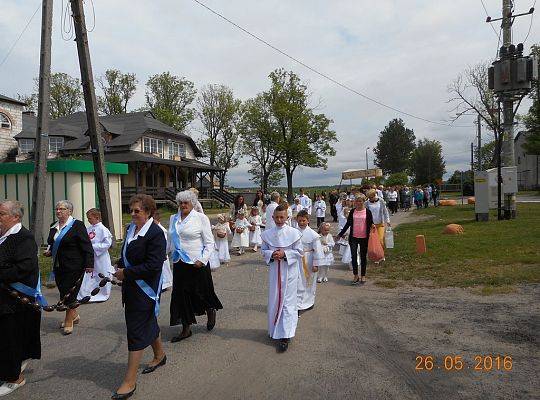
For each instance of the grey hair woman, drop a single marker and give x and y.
(190, 245)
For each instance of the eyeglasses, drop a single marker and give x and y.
(135, 211)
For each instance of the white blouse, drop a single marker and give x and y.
(195, 234)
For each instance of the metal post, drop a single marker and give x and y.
(508, 114)
(472, 157)
(41, 149)
(462, 188)
(367, 161)
(479, 142)
(94, 127)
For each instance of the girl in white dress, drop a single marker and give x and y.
(345, 248)
(327, 242)
(166, 270)
(241, 232)
(255, 221)
(101, 239)
(222, 232)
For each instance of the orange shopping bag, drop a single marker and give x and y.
(375, 249)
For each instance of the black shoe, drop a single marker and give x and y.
(211, 319)
(283, 345)
(118, 396)
(149, 369)
(181, 337)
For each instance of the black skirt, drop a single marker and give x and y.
(193, 293)
(142, 328)
(19, 341)
(65, 281)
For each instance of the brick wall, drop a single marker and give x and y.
(14, 113)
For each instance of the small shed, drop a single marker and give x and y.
(66, 179)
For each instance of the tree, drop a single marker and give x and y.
(66, 95)
(532, 119)
(488, 156)
(169, 97)
(219, 113)
(118, 89)
(399, 178)
(394, 148)
(30, 100)
(305, 138)
(260, 137)
(427, 163)
(465, 178)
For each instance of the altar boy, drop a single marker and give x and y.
(282, 251)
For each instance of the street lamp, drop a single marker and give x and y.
(367, 161)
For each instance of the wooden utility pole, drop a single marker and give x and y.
(41, 148)
(94, 127)
(479, 141)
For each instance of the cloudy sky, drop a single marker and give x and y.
(402, 53)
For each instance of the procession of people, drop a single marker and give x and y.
(182, 256)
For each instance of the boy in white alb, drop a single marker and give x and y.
(320, 210)
(307, 284)
(282, 250)
(296, 208)
(327, 242)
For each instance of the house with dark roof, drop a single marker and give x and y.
(161, 160)
(11, 112)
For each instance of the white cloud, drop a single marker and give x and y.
(403, 53)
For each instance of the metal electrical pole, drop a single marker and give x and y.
(508, 159)
(479, 142)
(472, 158)
(94, 127)
(41, 149)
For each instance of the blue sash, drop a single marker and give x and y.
(34, 293)
(58, 239)
(178, 252)
(140, 282)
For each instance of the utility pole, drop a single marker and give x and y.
(479, 142)
(367, 161)
(508, 159)
(472, 158)
(94, 127)
(41, 149)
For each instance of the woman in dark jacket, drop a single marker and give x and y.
(72, 253)
(359, 221)
(140, 269)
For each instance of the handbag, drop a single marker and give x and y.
(375, 248)
(389, 238)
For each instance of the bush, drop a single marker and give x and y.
(399, 178)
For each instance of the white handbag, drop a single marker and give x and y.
(389, 238)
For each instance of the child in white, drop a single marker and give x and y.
(345, 248)
(263, 216)
(307, 284)
(166, 270)
(327, 242)
(241, 232)
(255, 221)
(222, 231)
(295, 208)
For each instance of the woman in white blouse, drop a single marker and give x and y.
(190, 245)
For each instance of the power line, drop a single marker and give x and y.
(19, 37)
(344, 86)
(530, 25)
(487, 15)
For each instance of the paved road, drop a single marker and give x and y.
(357, 343)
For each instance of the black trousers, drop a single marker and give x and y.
(355, 243)
(320, 220)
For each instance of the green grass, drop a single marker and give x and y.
(493, 256)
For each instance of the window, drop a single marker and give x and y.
(151, 145)
(177, 149)
(26, 146)
(4, 121)
(56, 143)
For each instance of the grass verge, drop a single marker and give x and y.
(491, 256)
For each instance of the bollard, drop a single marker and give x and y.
(420, 244)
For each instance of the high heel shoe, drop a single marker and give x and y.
(75, 321)
(120, 396)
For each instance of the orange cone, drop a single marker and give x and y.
(420, 244)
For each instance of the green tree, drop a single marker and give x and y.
(394, 148)
(399, 178)
(219, 113)
(169, 97)
(488, 159)
(30, 101)
(427, 162)
(260, 137)
(305, 137)
(118, 89)
(532, 119)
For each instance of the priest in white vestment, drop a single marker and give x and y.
(101, 239)
(309, 264)
(282, 251)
